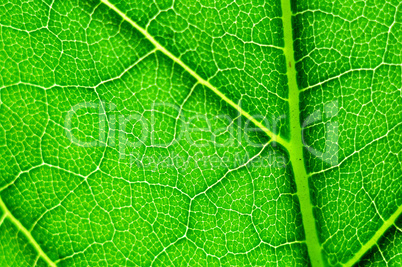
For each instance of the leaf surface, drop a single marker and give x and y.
(233, 133)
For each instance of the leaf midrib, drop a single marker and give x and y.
(295, 147)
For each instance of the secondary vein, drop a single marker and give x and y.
(296, 145)
(374, 239)
(202, 81)
(27, 234)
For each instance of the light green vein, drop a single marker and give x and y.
(374, 240)
(27, 234)
(296, 145)
(202, 81)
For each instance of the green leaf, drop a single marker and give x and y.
(233, 133)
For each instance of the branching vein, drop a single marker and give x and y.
(202, 81)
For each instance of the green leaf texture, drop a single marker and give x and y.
(206, 133)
